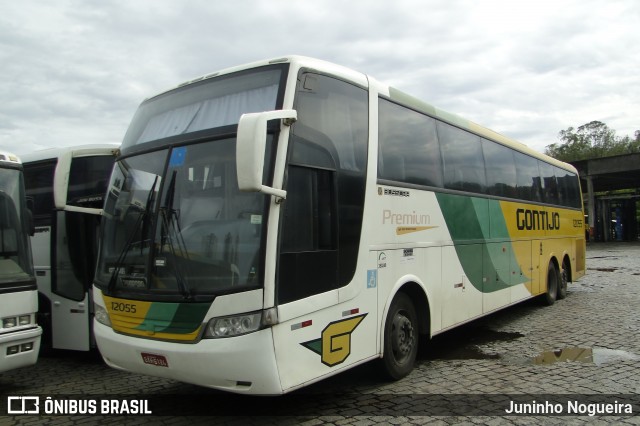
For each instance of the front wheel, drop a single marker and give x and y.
(400, 338)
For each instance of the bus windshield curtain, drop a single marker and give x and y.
(210, 113)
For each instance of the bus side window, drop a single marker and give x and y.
(38, 181)
(568, 188)
(500, 168)
(528, 177)
(549, 184)
(408, 143)
(308, 216)
(462, 158)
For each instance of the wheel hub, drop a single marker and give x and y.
(402, 341)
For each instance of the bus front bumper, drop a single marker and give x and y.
(19, 348)
(242, 364)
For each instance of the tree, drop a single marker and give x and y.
(633, 145)
(591, 140)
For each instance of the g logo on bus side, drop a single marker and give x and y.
(335, 344)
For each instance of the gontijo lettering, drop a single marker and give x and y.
(537, 220)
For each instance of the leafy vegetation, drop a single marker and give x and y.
(592, 140)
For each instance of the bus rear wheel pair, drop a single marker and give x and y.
(556, 283)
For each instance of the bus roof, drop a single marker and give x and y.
(394, 94)
(296, 60)
(77, 151)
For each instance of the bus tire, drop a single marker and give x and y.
(562, 281)
(550, 296)
(400, 338)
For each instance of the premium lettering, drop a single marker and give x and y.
(412, 218)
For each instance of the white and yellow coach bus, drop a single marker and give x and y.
(270, 225)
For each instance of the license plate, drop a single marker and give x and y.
(154, 359)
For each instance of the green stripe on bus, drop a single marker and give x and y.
(463, 216)
(177, 318)
(188, 318)
(473, 222)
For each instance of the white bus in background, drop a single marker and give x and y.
(19, 332)
(68, 187)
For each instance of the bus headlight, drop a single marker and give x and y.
(20, 320)
(24, 320)
(233, 325)
(9, 322)
(101, 315)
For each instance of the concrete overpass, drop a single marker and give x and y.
(611, 216)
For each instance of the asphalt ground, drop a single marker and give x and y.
(563, 363)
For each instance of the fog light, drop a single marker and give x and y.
(25, 347)
(12, 350)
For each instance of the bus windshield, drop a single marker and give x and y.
(175, 224)
(181, 231)
(15, 254)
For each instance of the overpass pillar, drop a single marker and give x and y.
(591, 206)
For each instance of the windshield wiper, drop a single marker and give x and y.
(170, 221)
(142, 219)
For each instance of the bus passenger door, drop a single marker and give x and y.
(318, 332)
(73, 258)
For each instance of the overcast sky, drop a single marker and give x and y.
(73, 72)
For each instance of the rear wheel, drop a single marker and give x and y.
(551, 294)
(400, 338)
(563, 279)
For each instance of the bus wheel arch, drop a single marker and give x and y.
(406, 321)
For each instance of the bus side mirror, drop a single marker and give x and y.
(250, 149)
(62, 176)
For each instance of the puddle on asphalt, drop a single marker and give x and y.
(466, 343)
(597, 356)
(565, 355)
(449, 347)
